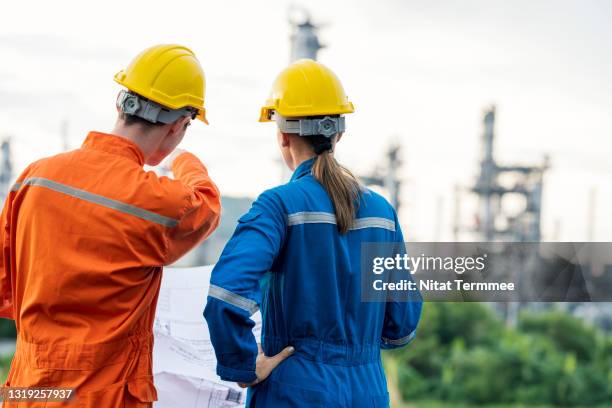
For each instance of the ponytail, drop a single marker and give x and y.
(340, 184)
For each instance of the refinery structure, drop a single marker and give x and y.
(496, 185)
(497, 188)
(304, 43)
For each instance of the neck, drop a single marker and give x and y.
(301, 157)
(144, 141)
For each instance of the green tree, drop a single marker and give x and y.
(463, 354)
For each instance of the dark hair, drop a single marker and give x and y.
(340, 184)
(130, 120)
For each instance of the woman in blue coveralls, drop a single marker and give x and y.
(296, 255)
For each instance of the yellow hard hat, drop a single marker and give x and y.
(306, 88)
(168, 74)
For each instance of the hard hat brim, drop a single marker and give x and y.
(266, 112)
(202, 115)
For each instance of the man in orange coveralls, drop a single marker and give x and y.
(86, 233)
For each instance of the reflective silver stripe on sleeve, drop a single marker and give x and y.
(100, 200)
(329, 218)
(16, 187)
(373, 222)
(400, 342)
(225, 295)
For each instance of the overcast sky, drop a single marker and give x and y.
(418, 72)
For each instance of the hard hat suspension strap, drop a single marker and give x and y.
(133, 104)
(326, 126)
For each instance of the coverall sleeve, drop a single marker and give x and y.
(234, 293)
(6, 289)
(202, 214)
(6, 284)
(401, 315)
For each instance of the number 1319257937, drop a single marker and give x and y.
(22, 394)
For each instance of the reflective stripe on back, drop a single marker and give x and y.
(311, 218)
(98, 199)
(304, 217)
(374, 222)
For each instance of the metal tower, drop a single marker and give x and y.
(497, 182)
(6, 169)
(387, 177)
(304, 38)
(495, 185)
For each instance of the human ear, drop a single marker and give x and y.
(285, 140)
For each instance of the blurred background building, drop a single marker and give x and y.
(505, 202)
(305, 43)
(533, 167)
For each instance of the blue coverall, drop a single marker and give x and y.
(287, 257)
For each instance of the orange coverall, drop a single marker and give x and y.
(85, 236)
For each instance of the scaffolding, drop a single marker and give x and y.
(495, 185)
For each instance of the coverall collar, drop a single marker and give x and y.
(115, 145)
(303, 169)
